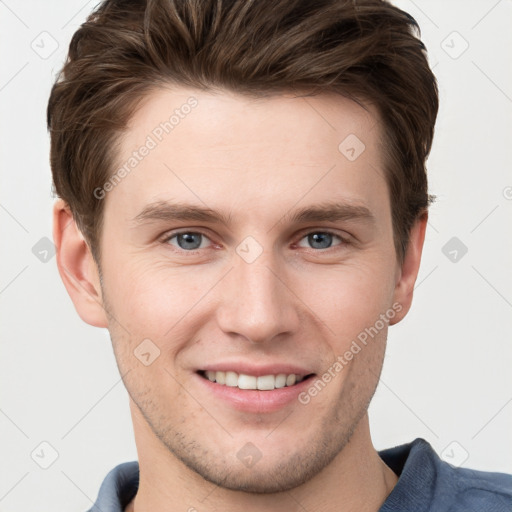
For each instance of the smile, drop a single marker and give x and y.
(244, 381)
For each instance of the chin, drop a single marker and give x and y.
(273, 473)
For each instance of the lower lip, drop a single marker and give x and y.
(253, 400)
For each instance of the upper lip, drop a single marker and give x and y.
(257, 370)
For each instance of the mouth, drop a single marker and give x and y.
(244, 381)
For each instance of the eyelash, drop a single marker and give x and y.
(169, 236)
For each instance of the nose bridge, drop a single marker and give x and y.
(256, 303)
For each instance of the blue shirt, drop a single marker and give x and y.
(425, 483)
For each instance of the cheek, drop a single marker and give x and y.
(151, 299)
(349, 299)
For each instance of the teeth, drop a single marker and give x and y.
(263, 383)
(266, 382)
(247, 382)
(231, 379)
(280, 380)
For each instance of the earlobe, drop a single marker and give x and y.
(408, 272)
(77, 267)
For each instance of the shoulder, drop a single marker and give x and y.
(118, 488)
(426, 482)
(479, 490)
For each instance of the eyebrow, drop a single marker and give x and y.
(168, 211)
(330, 212)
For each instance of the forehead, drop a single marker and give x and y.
(248, 155)
(223, 118)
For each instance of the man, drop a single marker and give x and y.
(243, 205)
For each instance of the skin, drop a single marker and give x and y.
(257, 162)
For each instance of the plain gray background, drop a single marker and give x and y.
(447, 372)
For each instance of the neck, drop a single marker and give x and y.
(356, 480)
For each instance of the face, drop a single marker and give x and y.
(247, 249)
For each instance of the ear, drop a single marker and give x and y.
(77, 267)
(408, 271)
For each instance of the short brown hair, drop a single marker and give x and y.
(366, 50)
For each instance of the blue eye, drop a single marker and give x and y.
(320, 240)
(192, 240)
(188, 241)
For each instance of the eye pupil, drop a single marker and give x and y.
(320, 240)
(189, 240)
(192, 241)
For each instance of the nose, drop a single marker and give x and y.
(257, 303)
